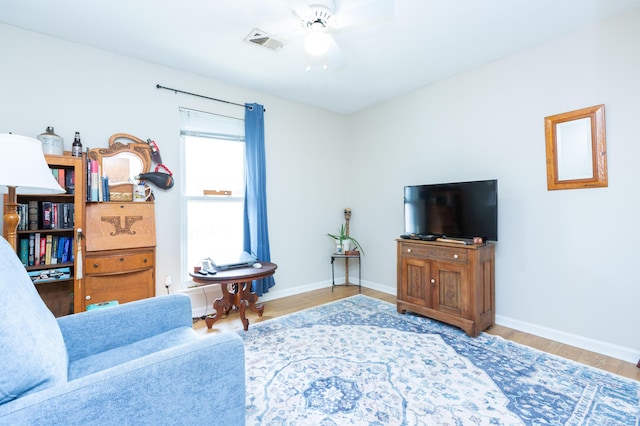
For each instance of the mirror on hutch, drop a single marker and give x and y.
(122, 163)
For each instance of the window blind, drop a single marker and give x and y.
(200, 124)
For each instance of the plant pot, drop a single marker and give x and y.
(345, 245)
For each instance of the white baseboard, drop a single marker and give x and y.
(604, 348)
(381, 288)
(202, 297)
(278, 294)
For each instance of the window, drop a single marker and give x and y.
(213, 192)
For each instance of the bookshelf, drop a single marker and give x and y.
(53, 220)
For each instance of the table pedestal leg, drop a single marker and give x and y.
(240, 297)
(243, 316)
(222, 306)
(252, 298)
(245, 297)
(239, 302)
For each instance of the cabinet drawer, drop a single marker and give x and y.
(449, 254)
(120, 226)
(118, 263)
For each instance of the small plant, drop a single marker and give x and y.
(342, 236)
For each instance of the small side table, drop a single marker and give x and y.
(346, 258)
(240, 296)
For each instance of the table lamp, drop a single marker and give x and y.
(23, 170)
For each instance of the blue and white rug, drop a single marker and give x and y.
(358, 362)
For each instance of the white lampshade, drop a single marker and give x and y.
(23, 166)
(317, 43)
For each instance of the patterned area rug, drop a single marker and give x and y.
(358, 362)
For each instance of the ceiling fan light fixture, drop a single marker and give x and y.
(317, 43)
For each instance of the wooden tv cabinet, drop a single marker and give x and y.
(448, 282)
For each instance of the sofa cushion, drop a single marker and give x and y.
(110, 358)
(32, 352)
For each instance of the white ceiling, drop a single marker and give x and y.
(424, 41)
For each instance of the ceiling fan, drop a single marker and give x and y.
(318, 20)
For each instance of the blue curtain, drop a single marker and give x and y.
(256, 234)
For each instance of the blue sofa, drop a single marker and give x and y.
(136, 363)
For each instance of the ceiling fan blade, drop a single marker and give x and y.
(300, 8)
(288, 29)
(363, 12)
(336, 59)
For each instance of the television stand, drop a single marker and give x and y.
(449, 282)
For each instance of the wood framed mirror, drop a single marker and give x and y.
(123, 162)
(576, 149)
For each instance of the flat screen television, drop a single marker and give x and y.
(452, 210)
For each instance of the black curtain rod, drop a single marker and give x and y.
(201, 96)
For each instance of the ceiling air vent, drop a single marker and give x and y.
(260, 38)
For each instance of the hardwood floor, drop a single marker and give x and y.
(287, 305)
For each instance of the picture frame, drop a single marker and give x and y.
(576, 149)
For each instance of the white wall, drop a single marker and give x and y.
(45, 81)
(566, 260)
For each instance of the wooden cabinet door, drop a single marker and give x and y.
(120, 226)
(416, 276)
(124, 288)
(450, 288)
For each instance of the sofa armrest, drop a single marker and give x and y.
(199, 383)
(96, 331)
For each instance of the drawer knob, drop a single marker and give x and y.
(408, 250)
(455, 256)
(95, 265)
(145, 260)
(122, 259)
(87, 297)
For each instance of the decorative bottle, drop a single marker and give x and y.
(51, 143)
(76, 147)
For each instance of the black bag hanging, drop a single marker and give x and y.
(160, 179)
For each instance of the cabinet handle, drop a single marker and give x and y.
(408, 250)
(87, 297)
(433, 280)
(455, 256)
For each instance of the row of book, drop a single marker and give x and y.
(50, 275)
(37, 249)
(97, 185)
(45, 215)
(66, 179)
